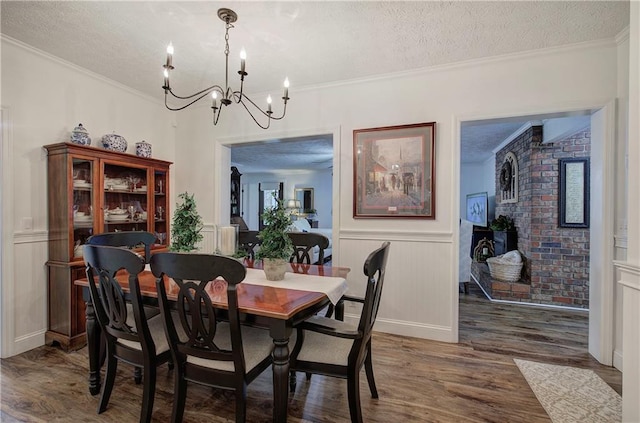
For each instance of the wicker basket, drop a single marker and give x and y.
(504, 271)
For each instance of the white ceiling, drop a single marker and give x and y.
(310, 42)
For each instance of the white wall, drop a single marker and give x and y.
(45, 99)
(421, 295)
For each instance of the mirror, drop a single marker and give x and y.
(305, 196)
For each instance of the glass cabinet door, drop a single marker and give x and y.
(83, 207)
(161, 217)
(125, 203)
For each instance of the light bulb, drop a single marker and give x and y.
(170, 48)
(166, 73)
(243, 54)
(214, 95)
(286, 82)
(269, 99)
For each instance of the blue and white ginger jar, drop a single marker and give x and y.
(114, 142)
(143, 149)
(80, 136)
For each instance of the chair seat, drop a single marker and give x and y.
(156, 328)
(257, 345)
(321, 348)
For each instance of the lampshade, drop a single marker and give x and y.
(293, 204)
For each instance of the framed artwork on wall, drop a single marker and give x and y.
(573, 193)
(394, 172)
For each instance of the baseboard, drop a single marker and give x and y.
(617, 359)
(26, 343)
(412, 329)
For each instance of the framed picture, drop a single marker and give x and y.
(477, 207)
(573, 193)
(394, 172)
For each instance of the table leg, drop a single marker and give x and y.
(280, 379)
(93, 348)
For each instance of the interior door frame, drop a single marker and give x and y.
(222, 155)
(601, 285)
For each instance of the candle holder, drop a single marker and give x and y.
(227, 239)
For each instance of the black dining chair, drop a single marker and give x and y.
(129, 239)
(210, 351)
(338, 349)
(130, 335)
(305, 243)
(247, 242)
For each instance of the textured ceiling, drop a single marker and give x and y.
(310, 42)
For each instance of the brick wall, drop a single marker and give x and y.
(556, 259)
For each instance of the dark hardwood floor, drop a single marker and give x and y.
(418, 380)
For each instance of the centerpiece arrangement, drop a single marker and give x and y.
(275, 245)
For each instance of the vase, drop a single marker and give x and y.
(274, 269)
(143, 149)
(227, 240)
(80, 136)
(114, 142)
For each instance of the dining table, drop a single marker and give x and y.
(276, 306)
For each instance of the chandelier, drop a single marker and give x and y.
(225, 95)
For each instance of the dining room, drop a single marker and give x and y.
(53, 80)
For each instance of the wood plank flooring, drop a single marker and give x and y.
(418, 380)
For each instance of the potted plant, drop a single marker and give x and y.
(275, 245)
(505, 237)
(186, 225)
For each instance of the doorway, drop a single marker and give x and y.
(268, 194)
(601, 284)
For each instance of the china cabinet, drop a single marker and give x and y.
(235, 191)
(90, 191)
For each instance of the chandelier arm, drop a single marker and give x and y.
(186, 105)
(205, 92)
(241, 97)
(253, 117)
(216, 116)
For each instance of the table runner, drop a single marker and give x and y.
(334, 288)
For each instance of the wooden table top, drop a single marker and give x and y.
(266, 301)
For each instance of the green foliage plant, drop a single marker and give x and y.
(274, 241)
(187, 225)
(502, 223)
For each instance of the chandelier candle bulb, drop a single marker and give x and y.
(166, 79)
(286, 89)
(269, 104)
(169, 56)
(243, 58)
(215, 96)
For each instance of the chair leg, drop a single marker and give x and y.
(292, 381)
(368, 367)
(179, 396)
(353, 392)
(137, 375)
(107, 386)
(241, 404)
(148, 393)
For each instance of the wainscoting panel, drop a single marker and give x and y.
(29, 291)
(417, 295)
